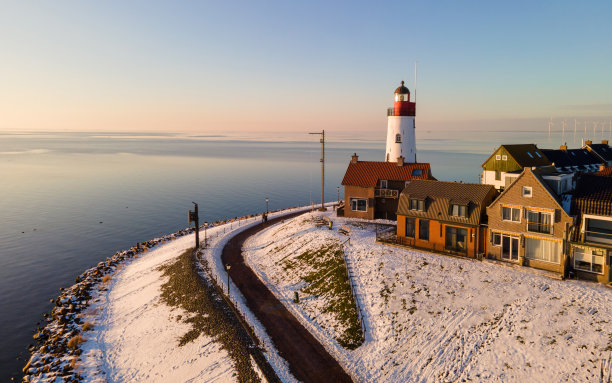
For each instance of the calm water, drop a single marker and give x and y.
(69, 200)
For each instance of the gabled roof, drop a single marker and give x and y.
(593, 195)
(537, 176)
(439, 195)
(571, 157)
(604, 151)
(367, 173)
(525, 155)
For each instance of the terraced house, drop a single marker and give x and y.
(529, 224)
(446, 217)
(591, 245)
(371, 189)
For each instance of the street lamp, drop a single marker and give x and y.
(267, 200)
(205, 240)
(193, 217)
(227, 268)
(338, 193)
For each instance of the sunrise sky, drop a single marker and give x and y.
(204, 67)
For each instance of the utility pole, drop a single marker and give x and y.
(322, 169)
(193, 217)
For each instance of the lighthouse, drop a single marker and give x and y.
(400, 128)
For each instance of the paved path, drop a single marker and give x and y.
(308, 360)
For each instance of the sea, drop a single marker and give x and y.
(71, 199)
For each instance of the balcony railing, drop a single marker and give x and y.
(598, 236)
(537, 227)
(386, 193)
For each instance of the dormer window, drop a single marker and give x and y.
(417, 204)
(458, 210)
(398, 138)
(417, 172)
(384, 184)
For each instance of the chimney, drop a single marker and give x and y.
(354, 158)
(588, 142)
(605, 142)
(563, 147)
(400, 161)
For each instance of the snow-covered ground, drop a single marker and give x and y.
(135, 335)
(436, 318)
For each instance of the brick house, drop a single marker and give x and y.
(443, 216)
(528, 224)
(591, 242)
(371, 189)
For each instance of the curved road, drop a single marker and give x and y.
(307, 358)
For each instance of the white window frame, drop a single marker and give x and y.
(512, 209)
(542, 258)
(499, 239)
(588, 251)
(459, 208)
(504, 158)
(552, 220)
(583, 226)
(527, 191)
(384, 184)
(498, 157)
(356, 207)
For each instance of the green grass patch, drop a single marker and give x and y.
(325, 273)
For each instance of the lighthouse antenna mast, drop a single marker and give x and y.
(415, 79)
(322, 133)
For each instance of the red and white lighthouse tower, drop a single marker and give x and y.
(401, 140)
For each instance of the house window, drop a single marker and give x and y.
(591, 260)
(384, 184)
(497, 175)
(455, 239)
(511, 214)
(538, 154)
(504, 157)
(358, 204)
(527, 191)
(417, 172)
(424, 229)
(406, 183)
(417, 204)
(410, 225)
(458, 210)
(398, 138)
(510, 248)
(498, 157)
(529, 154)
(539, 222)
(496, 239)
(598, 230)
(542, 250)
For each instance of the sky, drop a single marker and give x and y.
(214, 67)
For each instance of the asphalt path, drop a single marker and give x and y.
(307, 358)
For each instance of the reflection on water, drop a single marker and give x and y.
(70, 200)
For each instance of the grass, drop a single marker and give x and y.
(187, 290)
(325, 273)
(76, 341)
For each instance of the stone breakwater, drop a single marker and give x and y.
(56, 351)
(57, 344)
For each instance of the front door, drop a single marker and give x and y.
(510, 248)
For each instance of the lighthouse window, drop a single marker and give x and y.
(398, 138)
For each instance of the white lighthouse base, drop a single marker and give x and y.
(401, 139)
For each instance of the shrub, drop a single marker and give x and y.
(75, 341)
(106, 278)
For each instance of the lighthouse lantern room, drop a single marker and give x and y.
(401, 140)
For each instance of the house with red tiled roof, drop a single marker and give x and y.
(371, 188)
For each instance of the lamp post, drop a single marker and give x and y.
(205, 239)
(338, 188)
(193, 217)
(227, 268)
(267, 200)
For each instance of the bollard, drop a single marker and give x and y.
(297, 298)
